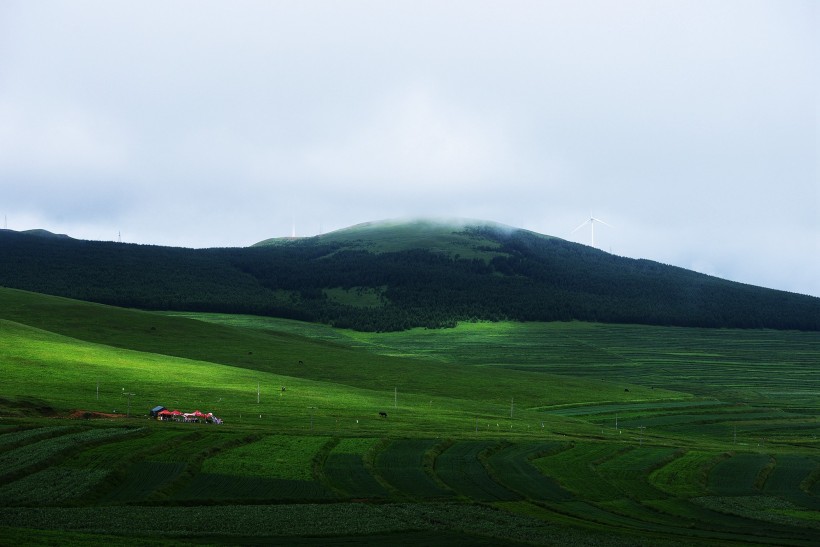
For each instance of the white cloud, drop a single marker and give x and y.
(415, 142)
(58, 140)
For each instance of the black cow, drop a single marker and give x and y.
(383, 414)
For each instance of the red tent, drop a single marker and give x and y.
(164, 414)
(198, 414)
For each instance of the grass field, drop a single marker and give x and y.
(565, 433)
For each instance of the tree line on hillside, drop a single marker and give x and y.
(527, 278)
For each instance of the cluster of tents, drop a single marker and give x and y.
(162, 413)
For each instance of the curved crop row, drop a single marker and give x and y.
(513, 467)
(345, 469)
(30, 435)
(401, 465)
(51, 486)
(32, 454)
(461, 469)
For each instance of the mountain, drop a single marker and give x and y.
(392, 275)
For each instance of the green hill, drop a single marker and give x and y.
(388, 276)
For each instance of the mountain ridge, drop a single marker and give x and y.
(395, 275)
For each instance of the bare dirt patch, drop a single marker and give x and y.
(89, 415)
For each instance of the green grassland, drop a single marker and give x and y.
(496, 433)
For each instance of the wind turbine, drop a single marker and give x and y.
(591, 220)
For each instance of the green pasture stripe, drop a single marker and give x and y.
(606, 409)
(355, 445)
(111, 454)
(513, 467)
(786, 478)
(224, 488)
(680, 421)
(51, 486)
(142, 479)
(460, 468)
(18, 459)
(194, 444)
(738, 475)
(685, 475)
(790, 470)
(219, 521)
(708, 518)
(348, 474)
(629, 471)
(682, 519)
(345, 469)
(31, 435)
(48, 538)
(765, 519)
(622, 519)
(292, 524)
(574, 470)
(273, 456)
(637, 510)
(400, 464)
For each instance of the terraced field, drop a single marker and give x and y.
(495, 433)
(661, 490)
(622, 486)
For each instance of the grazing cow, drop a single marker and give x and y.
(301, 362)
(283, 388)
(383, 414)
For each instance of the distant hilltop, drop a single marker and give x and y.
(41, 233)
(395, 275)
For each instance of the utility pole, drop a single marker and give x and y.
(311, 408)
(641, 427)
(257, 393)
(129, 395)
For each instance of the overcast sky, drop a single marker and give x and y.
(690, 127)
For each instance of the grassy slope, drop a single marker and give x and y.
(271, 350)
(761, 366)
(65, 372)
